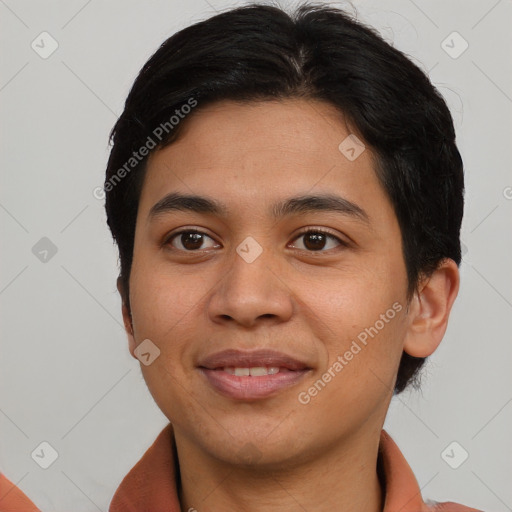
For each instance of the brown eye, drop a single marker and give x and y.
(316, 240)
(190, 240)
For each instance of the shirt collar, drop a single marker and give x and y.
(151, 485)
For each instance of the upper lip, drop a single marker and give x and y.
(255, 358)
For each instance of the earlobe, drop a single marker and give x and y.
(430, 309)
(127, 319)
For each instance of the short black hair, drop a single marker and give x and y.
(260, 52)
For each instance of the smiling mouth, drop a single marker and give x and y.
(249, 376)
(255, 371)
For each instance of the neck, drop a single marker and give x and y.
(344, 478)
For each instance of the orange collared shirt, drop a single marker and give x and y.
(150, 486)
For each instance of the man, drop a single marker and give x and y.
(286, 195)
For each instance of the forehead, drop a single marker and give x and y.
(249, 153)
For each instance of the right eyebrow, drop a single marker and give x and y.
(180, 202)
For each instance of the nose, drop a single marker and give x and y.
(251, 292)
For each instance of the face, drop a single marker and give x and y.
(280, 320)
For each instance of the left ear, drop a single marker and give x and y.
(430, 308)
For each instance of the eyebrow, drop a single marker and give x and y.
(295, 205)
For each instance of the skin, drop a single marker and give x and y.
(309, 304)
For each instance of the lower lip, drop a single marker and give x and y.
(251, 388)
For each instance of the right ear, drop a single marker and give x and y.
(127, 318)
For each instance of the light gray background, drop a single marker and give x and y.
(66, 376)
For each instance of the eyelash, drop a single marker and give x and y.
(168, 240)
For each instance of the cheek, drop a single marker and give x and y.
(161, 302)
(163, 307)
(358, 380)
(352, 299)
(359, 317)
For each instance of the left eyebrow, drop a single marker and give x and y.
(295, 205)
(324, 202)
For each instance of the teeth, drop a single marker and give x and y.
(256, 371)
